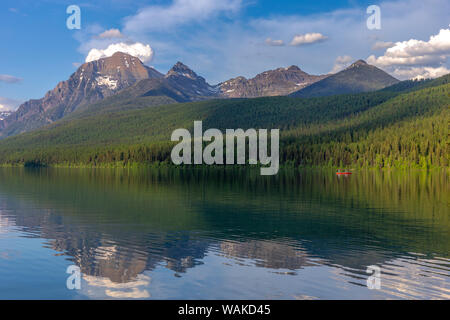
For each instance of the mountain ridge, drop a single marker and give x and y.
(93, 81)
(358, 77)
(352, 129)
(277, 82)
(124, 77)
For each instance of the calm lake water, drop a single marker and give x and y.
(213, 234)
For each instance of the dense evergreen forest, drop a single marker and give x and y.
(402, 126)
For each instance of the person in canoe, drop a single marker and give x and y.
(343, 173)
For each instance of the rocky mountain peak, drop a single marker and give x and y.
(281, 81)
(293, 68)
(180, 66)
(120, 67)
(358, 63)
(359, 77)
(93, 81)
(180, 69)
(182, 78)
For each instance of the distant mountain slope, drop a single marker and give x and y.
(155, 92)
(92, 82)
(413, 85)
(139, 119)
(119, 77)
(359, 77)
(180, 84)
(122, 82)
(316, 131)
(279, 82)
(183, 79)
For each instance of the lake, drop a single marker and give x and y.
(223, 234)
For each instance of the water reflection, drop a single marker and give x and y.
(101, 288)
(159, 234)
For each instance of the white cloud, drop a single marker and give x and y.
(341, 63)
(9, 79)
(111, 34)
(7, 104)
(416, 52)
(382, 45)
(220, 49)
(159, 18)
(274, 43)
(142, 51)
(420, 72)
(416, 58)
(307, 38)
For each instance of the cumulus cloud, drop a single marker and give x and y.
(341, 63)
(307, 38)
(201, 40)
(420, 72)
(274, 43)
(382, 45)
(7, 104)
(111, 34)
(416, 52)
(9, 79)
(142, 51)
(180, 12)
(416, 58)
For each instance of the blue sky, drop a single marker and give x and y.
(219, 39)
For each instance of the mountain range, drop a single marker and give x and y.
(401, 126)
(92, 82)
(123, 77)
(279, 82)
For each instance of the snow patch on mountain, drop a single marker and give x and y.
(106, 82)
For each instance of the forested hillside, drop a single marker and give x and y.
(405, 125)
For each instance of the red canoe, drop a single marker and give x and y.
(343, 173)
